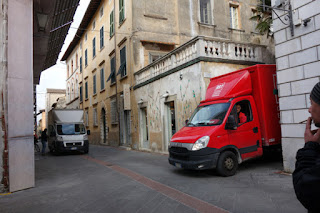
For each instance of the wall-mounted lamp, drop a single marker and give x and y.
(141, 101)
(42, 21)
(305, 22)
(165, 95)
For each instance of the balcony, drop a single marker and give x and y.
(202, 49)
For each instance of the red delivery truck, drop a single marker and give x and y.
(239, 116)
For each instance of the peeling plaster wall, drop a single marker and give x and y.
(186, 88)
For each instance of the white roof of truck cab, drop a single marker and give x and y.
(67, 115)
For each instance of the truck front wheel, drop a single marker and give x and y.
(227, 164)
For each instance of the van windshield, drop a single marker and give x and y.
(70, 129)
(209, 115)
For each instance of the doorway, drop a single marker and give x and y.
(104, 127)
(144, 128)
(170, 126)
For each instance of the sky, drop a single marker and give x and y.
(55, 76)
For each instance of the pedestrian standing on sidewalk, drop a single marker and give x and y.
(306, 177)
(44, 141)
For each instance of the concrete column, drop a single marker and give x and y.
(20, 95)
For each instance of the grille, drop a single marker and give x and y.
(73, 144)
(179, 150)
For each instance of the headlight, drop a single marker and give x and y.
(201, 143)
(59, 138)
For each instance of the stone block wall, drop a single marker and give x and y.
(298, 70)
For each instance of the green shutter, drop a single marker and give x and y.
(111, 23)
(121, 11)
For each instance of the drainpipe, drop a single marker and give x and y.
(4, 178)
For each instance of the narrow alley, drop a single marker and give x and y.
(117, 180)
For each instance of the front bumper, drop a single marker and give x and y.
(75, 146)
(205, 158)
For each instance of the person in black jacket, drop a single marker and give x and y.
(44, 138)
(306, 177)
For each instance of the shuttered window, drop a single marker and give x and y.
(114, 114)
(121, 11)
(94, 47)
(111, 23)
(123, 62)
(95, 84)
(102, 79)
(101, 38)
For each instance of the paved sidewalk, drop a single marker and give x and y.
(116, 180)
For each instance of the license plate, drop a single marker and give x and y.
(73, 148)
(178, 165)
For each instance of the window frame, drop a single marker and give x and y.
(80, 94)
(94, 81)
(101, 37)
(80, 64)
(208, 18)
(94, 47)
(234, 17)
(86, 58)
(121, 12)
(86, 95)
(102, 84)
(123, 56)
(113, 68)
(111, 23)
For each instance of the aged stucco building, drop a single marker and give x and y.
(297, 51)
(116, 52)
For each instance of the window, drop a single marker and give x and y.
(205, 12)
(76, 60)
(101, 79)
(111, 23)
(95, 117)
(80, 91)
(243, 112)
(234, 17)
(114, 114)
(94, 24)
(80, 45)
(101, 11)
(87, 117)
(95, 84)
(123, 66)
(86, 90)
(101, 38)
(86, 57)
(94, 47)
(86, 37)
(71, 66)
(254, 22)
(121, 11)
(80, 62)
(113, 70)
(154, 56)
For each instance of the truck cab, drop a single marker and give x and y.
(66, 131)
(231, 125)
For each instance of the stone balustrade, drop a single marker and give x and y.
(202, 48)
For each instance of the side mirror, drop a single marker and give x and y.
(186, 121)
(88, 132)
(231, 123)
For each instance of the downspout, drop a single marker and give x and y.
(4, 165)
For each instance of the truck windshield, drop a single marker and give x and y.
(70, 129)
(209, 115)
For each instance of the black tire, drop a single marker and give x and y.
(86, 151)
(227, 164)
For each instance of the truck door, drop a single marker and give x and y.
(247, 135)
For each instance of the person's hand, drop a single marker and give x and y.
(313, 135)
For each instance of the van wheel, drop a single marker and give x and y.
(227, 164)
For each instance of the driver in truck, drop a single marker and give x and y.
(242, 118)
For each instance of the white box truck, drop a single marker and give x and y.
(66, 131)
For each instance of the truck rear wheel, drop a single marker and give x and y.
(227, 164)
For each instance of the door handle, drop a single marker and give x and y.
(255, 129)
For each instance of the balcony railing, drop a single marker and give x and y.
(202, 48)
